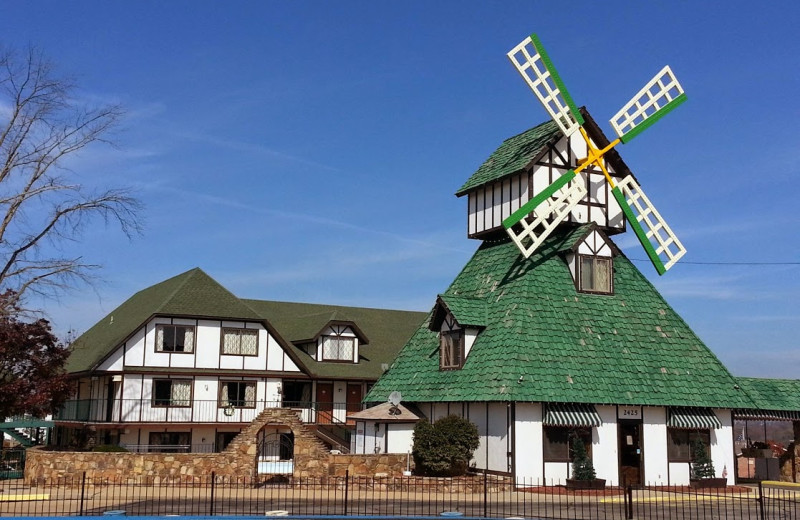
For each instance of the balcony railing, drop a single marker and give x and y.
(195, 411)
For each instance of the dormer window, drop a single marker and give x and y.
(338, 348)
(451, 349)
(590, 257)
(595, 274)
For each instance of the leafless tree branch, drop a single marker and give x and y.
(41, 204)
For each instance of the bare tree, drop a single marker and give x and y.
(42, 204)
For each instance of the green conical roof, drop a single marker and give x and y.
(544, 341)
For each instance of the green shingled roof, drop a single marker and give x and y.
(386, 330)
(195, 294)
(467, 311)
(772, 394)
(546, 342)
(192, 293)
(513, 155)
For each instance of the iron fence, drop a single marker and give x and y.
(475, 496)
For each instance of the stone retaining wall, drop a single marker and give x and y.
(367, 465)
(311, 459)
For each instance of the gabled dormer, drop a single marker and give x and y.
(590, 256)
(337, 341)
(458, 321)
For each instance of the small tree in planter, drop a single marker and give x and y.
(703, 468)
(583, 474)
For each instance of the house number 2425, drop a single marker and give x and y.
(630, 413)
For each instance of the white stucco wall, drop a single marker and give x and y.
(400, 438)
(654, 444)
(528, 458)
(605, 446)
(722, 446)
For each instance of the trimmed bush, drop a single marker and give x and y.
(444, 448)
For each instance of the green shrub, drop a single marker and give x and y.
(107, 448)
(702, 467)
(444, 448)
(582, 468)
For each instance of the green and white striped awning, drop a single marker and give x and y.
(692, 418)
(572, 414)
(767, 415)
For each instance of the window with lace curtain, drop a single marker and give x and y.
(451, 349)
(338, 348)
(239, 394)
(175, 338)
(595, 274)
(172, 392)
(240, 342)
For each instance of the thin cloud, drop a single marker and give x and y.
(256, 149)
(311, 219)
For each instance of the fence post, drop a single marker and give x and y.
(213, 484)
(346, 489)
(83, 490)
(629, 493)
(761, 500)
(485, 495)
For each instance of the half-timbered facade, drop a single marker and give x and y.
(573, 342)
(529, 162)
(185, 365)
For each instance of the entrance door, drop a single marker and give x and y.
(325, 403)
(630, 452)
(354, 397)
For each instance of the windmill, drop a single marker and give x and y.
(553, 204)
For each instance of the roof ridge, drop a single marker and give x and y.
(189, 275)
(330, 305)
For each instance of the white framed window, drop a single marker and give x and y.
(239, 394)
(338, 348)
(240, 342)
(172, 392)
(595, 274)
(175, 338)
(451, 349)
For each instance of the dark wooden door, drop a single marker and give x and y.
(354, 396)
(630, 452)
(325, 403)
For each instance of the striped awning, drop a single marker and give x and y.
(572, 414)
(767, 415)
(691, 418)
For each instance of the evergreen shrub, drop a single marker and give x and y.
(444, 448)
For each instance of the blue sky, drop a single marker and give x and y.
(309, 151)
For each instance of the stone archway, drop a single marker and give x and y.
(310, 457)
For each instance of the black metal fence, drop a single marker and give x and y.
(12, 463)
(478, 496)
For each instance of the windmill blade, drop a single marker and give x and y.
(658, 240)
(548, 214)
(660, 96)
(534, 65)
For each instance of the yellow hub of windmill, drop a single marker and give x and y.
(595, 157)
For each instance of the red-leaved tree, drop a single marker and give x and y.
(32, 377)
